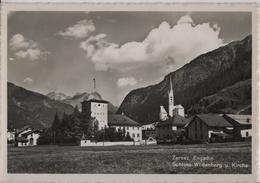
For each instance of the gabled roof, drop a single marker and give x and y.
(214, 120)
(178, 106)
(241, 119)
(95, 100)
(23, 129)
(176, 120)
(121, 120)
(242, 122)
(32, 131)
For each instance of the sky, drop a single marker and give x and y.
(64, 51)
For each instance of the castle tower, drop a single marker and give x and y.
(171, 99)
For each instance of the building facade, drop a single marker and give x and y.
(27, 137)
(171, 130)
(242, 124)
(97, 109)
(208, 127)
(129, 126)
(10, 136)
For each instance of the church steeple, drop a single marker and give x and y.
(171, 98)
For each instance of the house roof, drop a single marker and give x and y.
(121, 120)
(214, 120)
(32, 131)
(176, 120)
(23, 129)
(241, 119)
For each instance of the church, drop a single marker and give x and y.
(173, 109)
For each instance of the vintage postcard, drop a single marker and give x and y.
(129, 93)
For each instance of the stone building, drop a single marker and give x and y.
(97, 109)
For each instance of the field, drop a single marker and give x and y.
(223, 158)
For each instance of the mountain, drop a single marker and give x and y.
(204, 76)
(30, 108)
(234, 99)
(57, 96)
(80, 97)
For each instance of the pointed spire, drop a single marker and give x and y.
(171, 89)
(94, 82)
(171, 98)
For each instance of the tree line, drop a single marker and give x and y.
(71, 128)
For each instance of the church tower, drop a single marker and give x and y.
(171, 99)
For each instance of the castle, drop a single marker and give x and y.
(172, 109)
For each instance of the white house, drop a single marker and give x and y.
(27, 137)
(131, 127)
(10, 136)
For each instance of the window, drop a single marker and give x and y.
(195, 125)
(127, 128)
(138, 135)
(247, 134)
(133, 135)
(195, 135)
(98, 105)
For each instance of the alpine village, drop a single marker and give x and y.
(206, 101)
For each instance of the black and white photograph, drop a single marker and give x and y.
(130, 92)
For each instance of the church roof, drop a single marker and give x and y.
(121, 120)
(176, 120)
(178, 106)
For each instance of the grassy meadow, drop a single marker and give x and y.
(156, 159)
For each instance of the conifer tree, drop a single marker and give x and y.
(55, 128)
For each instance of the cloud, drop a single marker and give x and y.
(165, 46)
(129, 81)
(30, 54)
(25, 49)
(19, 42)
(28, 81)
(80, 30)
(185, 20)
(93, 43)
